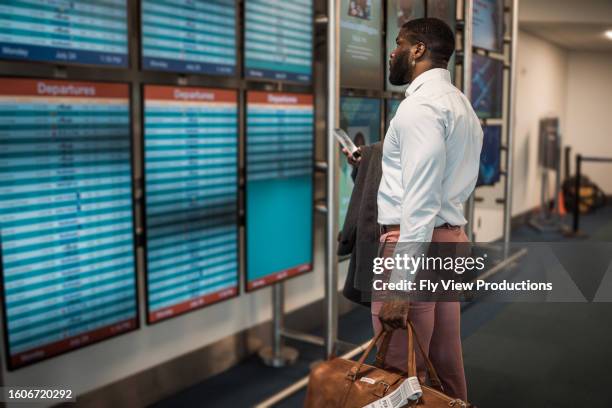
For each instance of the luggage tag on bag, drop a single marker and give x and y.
(409, 390)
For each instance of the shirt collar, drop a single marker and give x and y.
(429, 75)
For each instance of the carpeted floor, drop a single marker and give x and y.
(516, 354)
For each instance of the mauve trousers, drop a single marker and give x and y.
(437, 325)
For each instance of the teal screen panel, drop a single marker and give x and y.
(279, 188)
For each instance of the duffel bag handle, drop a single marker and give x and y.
(354, 371)
(412, 371)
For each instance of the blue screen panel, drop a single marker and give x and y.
(279, 187)
(66, 219)
(278, 39)
(191, 187)
(490, 160)
(360, 118)
(76, 32)
(197, 36)
(488, 23)
(487, 86)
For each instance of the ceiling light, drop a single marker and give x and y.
(608, 34)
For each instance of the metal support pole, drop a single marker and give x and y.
(510, 130)
(278, 355)
(467, 90)
(577, 194)
(331, 232)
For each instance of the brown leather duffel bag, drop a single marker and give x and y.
(340, 383)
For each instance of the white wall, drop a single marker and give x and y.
(541, 91)
(109, 361)
(588, 127)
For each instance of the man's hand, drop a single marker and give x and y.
(394, 314)
(353, 161)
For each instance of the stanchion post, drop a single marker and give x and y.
(278, 355)
(577, 194)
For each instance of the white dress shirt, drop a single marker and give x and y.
(431, 156)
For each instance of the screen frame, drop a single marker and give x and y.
(248, 78)
(56, 63)
(246, 213)
(237, 55)
(145, 263)
(10, 367)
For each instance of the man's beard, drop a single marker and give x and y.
(400, 71)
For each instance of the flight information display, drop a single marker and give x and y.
(487, 86)
(279, 186)
(360, 44)
(360, 118)
(195, 36)
(66, 216)
(489, 171)
(278, 39)
(398, 13)
(191, 195)
(488, 23)
(77, 32)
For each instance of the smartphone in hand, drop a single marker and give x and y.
(347, 143)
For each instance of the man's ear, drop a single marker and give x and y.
(419, 51)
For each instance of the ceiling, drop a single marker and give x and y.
(572, 36)
(571, 24)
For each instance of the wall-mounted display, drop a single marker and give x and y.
(279, 186)
(360, 118)
(191, 198)
(197, 36)
(398, 13)
(487, 86)
(66, 216)
(490, 161)
(445, 10)
(74, 32)
(488, 25)
(360, 44)
(278, 40)
(391, 108)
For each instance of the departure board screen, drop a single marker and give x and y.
(278, 39)
(195, 36)
(66, 217)
(77, 32)
(191, 193)
(360, 118)
(279, 186)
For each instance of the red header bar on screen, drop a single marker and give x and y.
(278, 98)
(61, 89)
(189, 94)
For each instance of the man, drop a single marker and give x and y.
(429, 169)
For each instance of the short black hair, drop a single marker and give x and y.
(435, 34)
